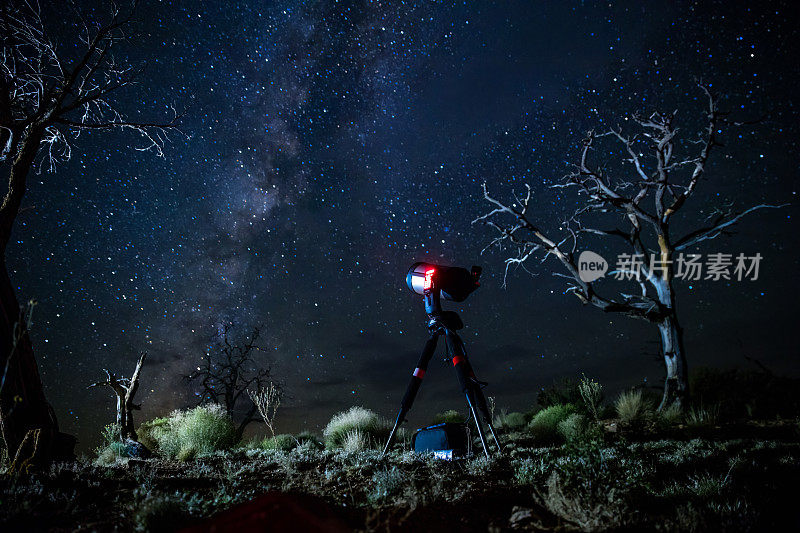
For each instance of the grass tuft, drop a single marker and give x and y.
(355, 441)
(671, 415)
(702, 416)
(148, 432)
(633, 408)
(371, 426)
(309, 440)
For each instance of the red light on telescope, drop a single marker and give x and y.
(428, 279)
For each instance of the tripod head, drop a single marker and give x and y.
(436, 281)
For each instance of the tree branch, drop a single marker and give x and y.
(713, 116)
(639, 307)
(718, 227)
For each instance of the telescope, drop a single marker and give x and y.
(455, 283)
(432, 282)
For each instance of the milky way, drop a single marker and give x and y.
(332, 144)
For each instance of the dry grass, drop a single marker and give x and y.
(633, 408)
(371, 429)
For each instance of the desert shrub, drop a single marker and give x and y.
(112, 447)
(571, 427)
(452, 417)
(592, 395)
(633, 408)
(561, 392)
(187, 434)
(577, 428)
(111, 434)
(149, 431)
(387, 484)
(372, 427)
(511, 421)
(587, 488)
(544, 425)
(529, 471)
(480, 466)
(281, 442)
(702, 416)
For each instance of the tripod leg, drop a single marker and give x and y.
(484, 408)
(413, 386)
(470, 401)
(469, 382)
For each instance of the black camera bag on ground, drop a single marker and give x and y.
(446, 441)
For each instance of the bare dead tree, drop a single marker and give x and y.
(267, 400)
(125, 390)
(657, 178)
(228, 371)
(50, 94)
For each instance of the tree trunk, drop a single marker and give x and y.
(676, 383)
(125, 420)
(128, 430)
(125, 395)
(23, 406)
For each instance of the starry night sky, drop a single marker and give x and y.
(332, 144)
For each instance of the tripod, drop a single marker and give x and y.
(445, 323)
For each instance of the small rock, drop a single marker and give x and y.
(136, 449)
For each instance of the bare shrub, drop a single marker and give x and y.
(267, 400)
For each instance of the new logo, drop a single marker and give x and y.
(591, 266)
